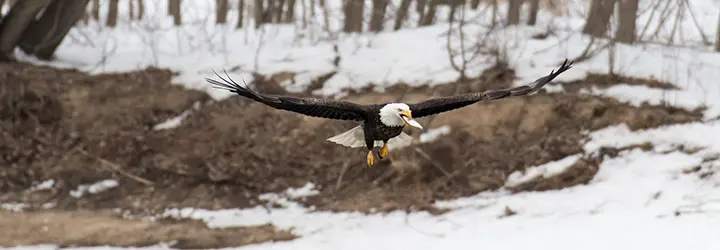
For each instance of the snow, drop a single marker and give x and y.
(176, 121)
(639, 199)
(45, 185)
(432, 134)
(545, 171)
(94, 188)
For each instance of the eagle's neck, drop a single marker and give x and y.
(390, 116)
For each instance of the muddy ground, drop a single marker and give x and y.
(78, 129)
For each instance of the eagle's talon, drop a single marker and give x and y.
(383, 151)
(370, 159)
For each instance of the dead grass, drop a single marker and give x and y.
(102, 227)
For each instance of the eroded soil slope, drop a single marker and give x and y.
(78, 129)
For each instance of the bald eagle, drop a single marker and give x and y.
(379, 124)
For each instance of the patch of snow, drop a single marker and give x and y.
(176, 121)
(304, 191)
(13, 206)
(94, 188)
(545, 171)
(45, 185)
(432, 134)
(705, 135)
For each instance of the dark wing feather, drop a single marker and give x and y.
(443, 104)
(323, 108)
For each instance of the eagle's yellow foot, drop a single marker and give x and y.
(370, 159)
(384, 151)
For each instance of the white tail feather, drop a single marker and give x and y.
(355, 138)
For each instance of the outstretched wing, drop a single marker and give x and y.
(323, 108)
(443, 104)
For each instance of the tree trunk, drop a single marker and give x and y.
(269, 11)
(534, 9)
(258, 12)
(420, 9)
(170, 7)
(454, 4)
(112, 13)
(494, 16)
(141, 9)
(176, 12)
(312, 9)
(15, 23)
(279, 11)
(717, 36)
(513, 13)
(429, 17)
(599, 17)
(290, 14)
(353, 10)
(2, 3)
(627, 11)
(96, 10)
(402, 14)
(474, 4)
(44, 36)
(347, 12)
(221, 11)
(326, 16)
(241, 14)
(358, 15)
(377, 19)
(131, 9)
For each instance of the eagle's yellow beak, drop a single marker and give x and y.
(407, 118)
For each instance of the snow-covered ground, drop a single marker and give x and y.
(631, 203)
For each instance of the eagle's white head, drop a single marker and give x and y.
(397, 115)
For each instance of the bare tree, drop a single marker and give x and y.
(221, 11)
(176, 11)
(112, 13)
(259, 14)
(15, 23)
(241, 13)
(429, 16)
(95, 10)
(627, 14)
(268, 13)
(474, 4)
(494, 17)
(43, 36)
(402, 14)
(513, 13)
(170, 7)
(312, 9)
(326, 17)
(377, 19)
(141, 9)
(599, 17)
(131, 10)
(353, 11)
(717, 36)
(2, 2)
(279, 11)
(290, 14)
(420, 9)
(534, 9)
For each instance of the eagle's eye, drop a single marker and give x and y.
(399, 110)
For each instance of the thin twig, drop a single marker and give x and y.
(344, 169)
(434, 163)
(115, 167)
